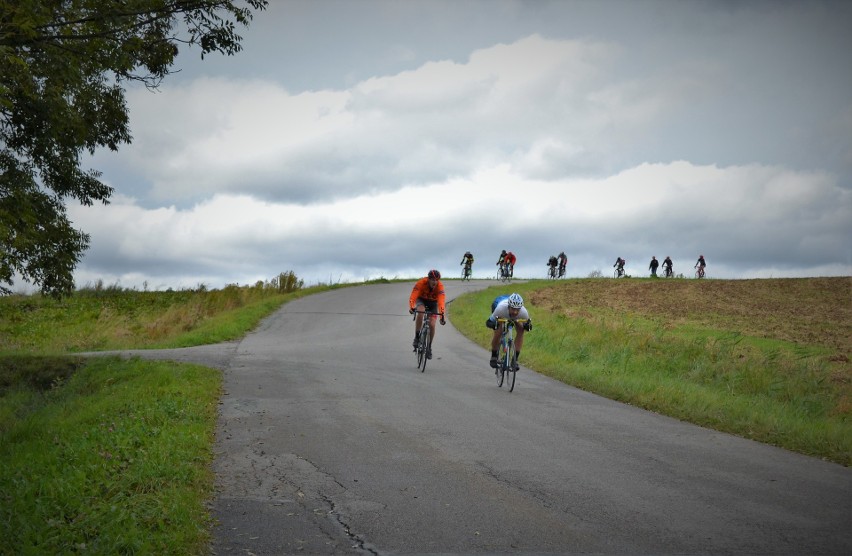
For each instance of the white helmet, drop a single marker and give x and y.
(516, 301)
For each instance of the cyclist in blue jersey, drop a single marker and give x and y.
(507, 307)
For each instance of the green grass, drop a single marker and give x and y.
(128, 319)
(111, 458)
(773, 391)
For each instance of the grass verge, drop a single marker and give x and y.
(104, 456)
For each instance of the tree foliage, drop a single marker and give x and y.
(63, 68)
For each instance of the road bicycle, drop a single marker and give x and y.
(699, 272)
(618, 272)
(424, 338)
(669, 271)
(551, 272)
(504, 273)
(466, 272)
(505, 370)
(561, 271)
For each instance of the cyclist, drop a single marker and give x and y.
(551, 264)
(700, 264)
(619, 265)
(507, 307)
(511, 259)
(653, 266)
(428, 295)
(667, 265)
(563, 262)
(501, 262)
(467, 261)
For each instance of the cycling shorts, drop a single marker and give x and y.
(428, 304)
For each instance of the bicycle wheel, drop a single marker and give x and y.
(510, 357)
(428, 344)
(422, 344)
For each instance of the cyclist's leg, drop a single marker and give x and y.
(418, 320)
(495, 345)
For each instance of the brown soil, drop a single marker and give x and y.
(806, 311)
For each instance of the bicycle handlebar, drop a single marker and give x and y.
(427, 313)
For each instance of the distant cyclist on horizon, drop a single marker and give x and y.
(700, 264)
(467, 261)
(619, 266)
(501, 262)
(507, 307)
(511, 259)
(427, 295)
(667, 266)
(551, 266)
(563, 262)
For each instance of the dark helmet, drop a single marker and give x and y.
(434, 274)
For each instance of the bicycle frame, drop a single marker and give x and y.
(424, 337)
(506, 352)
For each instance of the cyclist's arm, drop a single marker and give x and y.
(415, 293)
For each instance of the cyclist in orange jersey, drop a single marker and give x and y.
(427, 294)
(511, 259)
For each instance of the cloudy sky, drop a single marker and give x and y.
(356, 139)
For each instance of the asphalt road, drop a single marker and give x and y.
(330, 441)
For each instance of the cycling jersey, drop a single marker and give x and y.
(423, 291)
(501, 310)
